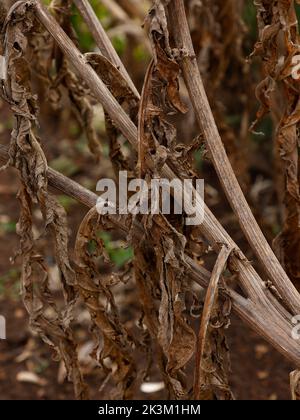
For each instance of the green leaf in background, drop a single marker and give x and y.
(10, 284)
(66, 202)
(118, 255)
(65, 165)
(8, 227)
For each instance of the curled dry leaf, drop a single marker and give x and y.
(159, 267)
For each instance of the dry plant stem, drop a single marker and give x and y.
(250, 312)
(210, 301)
(211, 228)
(102, 40)
(221, 162)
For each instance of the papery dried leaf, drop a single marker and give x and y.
(163, 293)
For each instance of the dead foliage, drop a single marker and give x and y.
(278, 93)
(168, 256)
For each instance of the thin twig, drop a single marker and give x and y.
(221, 162)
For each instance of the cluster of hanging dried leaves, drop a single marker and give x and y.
(278, 93)
(165, 251)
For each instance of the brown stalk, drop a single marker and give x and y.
(252, 313)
